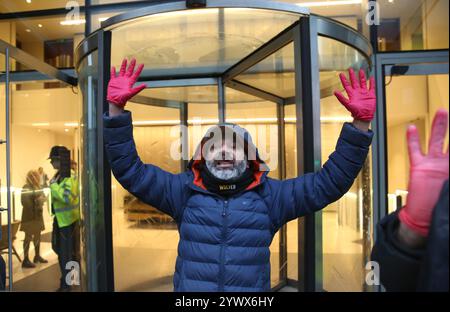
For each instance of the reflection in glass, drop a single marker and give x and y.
(409, 100)
(413, 25)
(40, 119)
(345, 231)
(144, 239)
(291, 172)
(196, 41)
(275, 74)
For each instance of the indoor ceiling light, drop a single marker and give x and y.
(40, 25)
(73, 22)
(28, 30)
(28, 1)
(40, 124)
(329, 3)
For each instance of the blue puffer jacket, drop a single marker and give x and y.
(224, 242)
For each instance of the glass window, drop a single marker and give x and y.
(98, 18)
(40, 119)
(346, 12)
(51, 39)
(141, 233)
(275, 74)
(344, 234)
(8, 6)
(413, 25)
(175, 43)
(291, 172)
(409, 100)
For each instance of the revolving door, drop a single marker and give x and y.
(269, 67)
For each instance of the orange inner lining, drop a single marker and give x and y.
(199, 182)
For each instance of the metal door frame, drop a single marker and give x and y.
(418, 63)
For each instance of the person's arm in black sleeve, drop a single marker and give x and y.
(400, 248)
(399, 263)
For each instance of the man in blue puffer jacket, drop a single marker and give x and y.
(226, 208)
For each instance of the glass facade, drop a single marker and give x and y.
(413, 25)
(342, 221)
(144, 239)
(51, 39)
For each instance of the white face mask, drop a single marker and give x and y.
(224, 166)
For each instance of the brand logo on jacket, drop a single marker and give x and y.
(227, 187)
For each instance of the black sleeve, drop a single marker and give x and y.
(399, 265)
(2, 273)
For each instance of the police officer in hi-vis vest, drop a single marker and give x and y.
(66, 211)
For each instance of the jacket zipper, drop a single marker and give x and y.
(222, 247)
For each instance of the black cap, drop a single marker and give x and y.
(56, 151)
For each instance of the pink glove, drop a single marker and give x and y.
(361, 101)
(120, 88)
(427, 175)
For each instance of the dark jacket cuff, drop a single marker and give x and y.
(118, 121)
(399, 264)
(355, 136)
(117, 129)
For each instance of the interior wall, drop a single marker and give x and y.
(437, 24)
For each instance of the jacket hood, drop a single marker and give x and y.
(260, 168)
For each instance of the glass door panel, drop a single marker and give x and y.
(144, 239)
(41, 117)
(409, 100)
(344, 231)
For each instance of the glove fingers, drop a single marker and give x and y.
(438, 132)
(341, 98)
(345, 84)
(362, 79)
(414, 148)
(353, 80)
(138, 71)
(138, 89)
(131, 68)
(113, 72)
(123, 67)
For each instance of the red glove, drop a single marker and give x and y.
(361, 101)
(427, 175)
(120, 88)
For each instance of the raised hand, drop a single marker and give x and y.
(120, 87)
(361, 102)
(428, 173)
